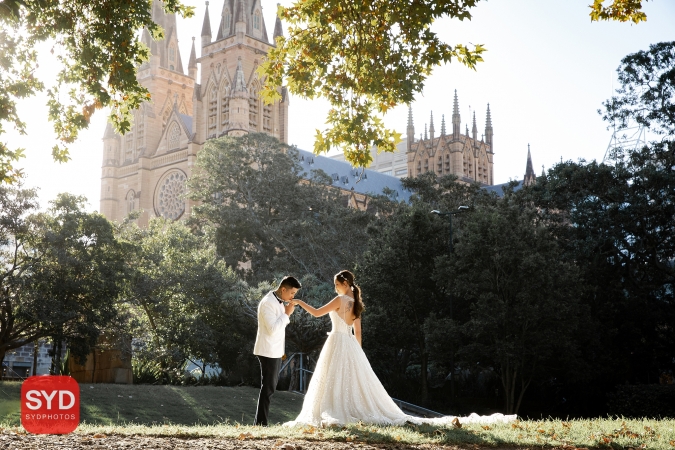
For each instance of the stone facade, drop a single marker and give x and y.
(458, 154)
(147, 168)
(463, 155)
(18, 363)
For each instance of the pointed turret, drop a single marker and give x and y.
(455, 118)
(488, 129)
(154, 54)
(474, 130)
(146, 38)
(410, 130)
(206, 28)
(431, 127)
(467, 130)
(426, 136)
(240, 25)
(530, 177)
(192, 65)
(278, 30)
(543, 171)
(443, 125)
(225, 27)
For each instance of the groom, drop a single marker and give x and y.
(273, 316)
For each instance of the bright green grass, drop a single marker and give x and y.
(111, 404)
(218, 414)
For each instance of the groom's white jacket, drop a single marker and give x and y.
(272, 321)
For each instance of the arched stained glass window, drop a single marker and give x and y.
(174, 136)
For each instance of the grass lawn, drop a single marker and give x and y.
(113, 404)
(222, 412)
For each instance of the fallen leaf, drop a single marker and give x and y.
(455, 423)
(485, 427)
(244, 436)
(99, 436)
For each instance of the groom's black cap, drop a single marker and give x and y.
(290, 282)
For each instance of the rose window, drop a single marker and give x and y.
(169, 202)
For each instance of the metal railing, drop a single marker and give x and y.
(304, 379)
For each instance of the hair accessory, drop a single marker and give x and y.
(352, 288)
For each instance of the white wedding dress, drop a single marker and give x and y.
(344, 389)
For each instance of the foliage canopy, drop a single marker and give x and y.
(97, 47)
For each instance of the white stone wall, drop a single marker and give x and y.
(18, 359)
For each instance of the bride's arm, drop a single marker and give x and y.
(325, 309)
(357, 330)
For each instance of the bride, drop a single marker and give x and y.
(344, 389)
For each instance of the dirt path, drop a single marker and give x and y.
(88, 442)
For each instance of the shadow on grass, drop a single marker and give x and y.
(115, 404)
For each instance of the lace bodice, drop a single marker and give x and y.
(339, 318)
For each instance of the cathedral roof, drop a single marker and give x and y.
(499, 188)
(187, 123)
(345, 176)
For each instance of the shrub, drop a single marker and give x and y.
(643, 400)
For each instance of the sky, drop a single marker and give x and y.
(545, 74)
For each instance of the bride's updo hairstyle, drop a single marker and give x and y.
(348, 277)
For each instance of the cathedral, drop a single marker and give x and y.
(147, 168)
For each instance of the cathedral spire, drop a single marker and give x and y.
(530, 177)
(456, 121)
(443, 125)
(278, 30)
(431, 127)
(240, 25)
(192, 65)
(410, 130)
(488, 129)
(206, 28)
(474, 130)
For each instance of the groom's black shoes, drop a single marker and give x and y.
(269, 376)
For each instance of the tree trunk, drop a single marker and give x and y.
(36, 350)
(93, 368)
(424, 380)
(2, 369)
(509, 376)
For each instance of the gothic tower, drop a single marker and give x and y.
(147, 168)
(464, 156)
(227, 98)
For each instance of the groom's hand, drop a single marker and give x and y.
(289, 308)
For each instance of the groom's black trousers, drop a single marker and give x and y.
(269, 376)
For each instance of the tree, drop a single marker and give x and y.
(521, 298)
(619, 10)
(405, 303)
(268, 214)
(61, 273)
(365, 58)
(647, 93)
(180, 291)
(99, 52)
(615, 219)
